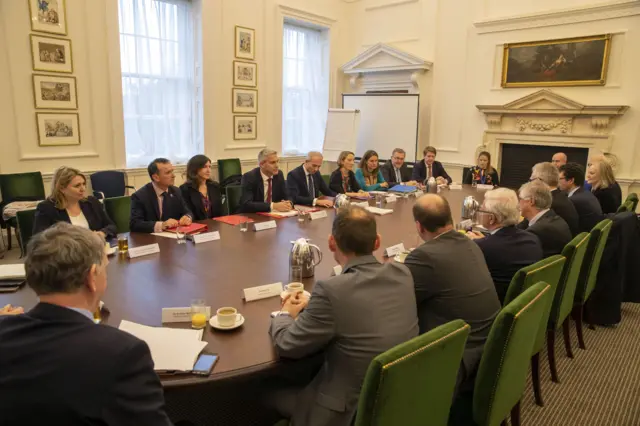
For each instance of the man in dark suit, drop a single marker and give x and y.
(586, 204)
(158, 205)
(57, 367)
(549, 174)
(535, 205)
(506, 249)
(423, 170)
(263, 188)
(396, 172)
(305, 183)
(353, 317)
(451, 281)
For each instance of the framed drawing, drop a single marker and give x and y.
(48, 16)
(245, 74)
(58, 129)
(51, 54)
(245, 101)
(580, 61)
(53, 92)
(245, 127)
(245, 43)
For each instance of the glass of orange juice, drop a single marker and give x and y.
(198, 314)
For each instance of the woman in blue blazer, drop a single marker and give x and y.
(369, 176)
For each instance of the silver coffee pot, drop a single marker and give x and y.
(431, 185)
(470, 207)
(341, 200)
(305, 255)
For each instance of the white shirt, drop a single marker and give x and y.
(538, 216)
(573, 191)
(495, 230)
(265, 182)
(306, 180)
(79, 220)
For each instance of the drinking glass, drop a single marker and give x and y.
(295, 274)
(198, 313)
(97, 315)
(123, 243)
(181, 237)
(301, 215)
(244, 225)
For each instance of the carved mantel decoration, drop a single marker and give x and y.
(385, 68)
(546, 118)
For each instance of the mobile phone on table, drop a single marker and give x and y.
(204, 365)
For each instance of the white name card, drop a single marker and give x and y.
(144, 250)
(393, 250)
(261, 226)
(207, 236)
(485, 187)
(391, 199)
(262, 291)
(180, 314)
(455, 186)
(318, 215)
(337, 269)
(363, 204)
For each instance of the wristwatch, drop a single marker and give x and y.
(283, 314)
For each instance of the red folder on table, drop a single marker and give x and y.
(194, 228)
(234, 219)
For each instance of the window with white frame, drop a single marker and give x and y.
(305, 88)
(159, 85)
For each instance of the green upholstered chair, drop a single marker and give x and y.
(412, 384)
(326, 179)
(233, 193)
(502, 373)
(625, 207)
(589, 273)
(19, 187)
(548, 270)
(119, 210)
(228, 167)
(633, 197)
(25, 220)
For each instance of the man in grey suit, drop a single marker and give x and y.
(452, 281)
(367, 309)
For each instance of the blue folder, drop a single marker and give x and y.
(403, 189)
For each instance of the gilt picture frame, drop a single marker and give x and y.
(244, 101)
(51, 54)
(54, 92)
(58, 129)
(48, 16)
(245, 74)
(245, 127)
(245, 43)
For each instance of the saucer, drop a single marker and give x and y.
(285, 292)
(214, 323)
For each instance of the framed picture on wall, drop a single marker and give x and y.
(245, 101)
(58, 129)
(53, 92)
(245, 127)
(51, 54)
(245, 43)
(245, 74)
(580, 61)
(48, 16)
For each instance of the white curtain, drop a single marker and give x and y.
(305, 97)
(157, 56)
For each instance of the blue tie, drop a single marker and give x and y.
(310, 185)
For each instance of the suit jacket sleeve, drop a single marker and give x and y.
(247, 203)
(311, 331)
(335, 182)
(386, 171)
(324, 188)
(421, 271)
(494, 178)
(418, 172)
(184, 192)
(105, 224)
(524, 224)
(45, 216)
(137, 221)
(293, 187)
(444, 173)
(138, 396)
(215, 197)
(184, 208)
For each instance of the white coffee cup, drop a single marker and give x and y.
(227, 316)
(294, 288)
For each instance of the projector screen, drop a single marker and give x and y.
(387, 121)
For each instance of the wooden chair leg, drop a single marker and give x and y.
(551, 354)
(577, 317)
(535, 379)
(515, 415)
(566, 334)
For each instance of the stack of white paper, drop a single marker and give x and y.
(363, 204)
(171, 348)
(12, 272)
(379, 211)
(290, 213)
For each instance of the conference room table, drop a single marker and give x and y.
(219, 270)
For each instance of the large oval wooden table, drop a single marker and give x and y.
(218, 271)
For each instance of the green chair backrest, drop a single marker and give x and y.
(413, 383)
(548, 270)
(119, 210)
(327, 179)
(502, 373)
(21, 187)
(625, 207)
(633, 197)
(574, 252)
(233, 193)
(228, 167)
(25, 220)
(591, 264)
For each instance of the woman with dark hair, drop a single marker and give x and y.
(343, 180)
(483, 173)
(202, 195)
(369, 176)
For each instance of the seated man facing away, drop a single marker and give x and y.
(263, 188)
(586, 204)
(159, 204)
(451, 281)
(57, 367)
(305, 183)
(507, 249)
(396, 172)
(366, 310)
(535, 205)
(560, 204)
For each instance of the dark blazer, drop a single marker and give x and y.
(506, 252)
(452, 281)
(59, 368)
(252, 199)
(47, 215)
(566, 210)
(193, 199)
(297, 186)
(552, 230)
(609, 198)
(335, 182)
(475, 174)
(420, 171)
(389, 173)
(145, 211)
(588, 208)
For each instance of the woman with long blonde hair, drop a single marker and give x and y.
(604, 186)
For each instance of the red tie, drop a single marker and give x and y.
(430, 172)
(269, 191)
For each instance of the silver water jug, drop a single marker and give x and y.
(341, 200)
(431, 185)
(305, 255)
(470, 207)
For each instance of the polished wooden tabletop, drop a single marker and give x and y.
(218, 271)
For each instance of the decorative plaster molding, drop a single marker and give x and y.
(306, 16)
(595, 12)
(249, 146)
(544, 126)
(388, 3)
(86, 154)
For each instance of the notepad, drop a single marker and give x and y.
(379, 211)
(279, 215)
(189, 230)
(234, 219)
(12, 271)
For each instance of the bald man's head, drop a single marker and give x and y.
(432, 212)
(559, 159)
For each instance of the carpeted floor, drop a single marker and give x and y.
(600, 386)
